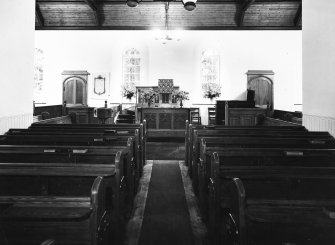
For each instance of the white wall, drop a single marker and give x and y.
(17, 25)
(240, 51)
(319, 57)
(318, 65)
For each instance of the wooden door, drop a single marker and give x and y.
(263, 88)
(74, 91)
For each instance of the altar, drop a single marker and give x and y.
(160, 96)
(158, 105)
(164, 118)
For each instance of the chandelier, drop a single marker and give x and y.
(166, 37)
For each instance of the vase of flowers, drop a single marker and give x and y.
(180, 95)
(128, 90)
(148, 96)
(211, 90)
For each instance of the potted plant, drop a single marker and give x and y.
(180, 95)
(211, 90)
(128, 90)
(148, 95)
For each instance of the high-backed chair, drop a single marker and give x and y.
(195, 116)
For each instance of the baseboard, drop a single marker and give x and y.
(17, 121)
(319, 123)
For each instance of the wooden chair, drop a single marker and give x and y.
(195, 116)
(211, 115)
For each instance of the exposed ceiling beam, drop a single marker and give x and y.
(93, 5)
(38, 15)
(297, 19)
(184, 28)
(245, 5)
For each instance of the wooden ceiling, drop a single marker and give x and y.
(150, 14)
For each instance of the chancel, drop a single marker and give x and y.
(112, 135)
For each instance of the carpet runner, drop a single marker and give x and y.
(166, 217)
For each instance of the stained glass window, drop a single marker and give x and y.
(132, 66)
(210, 66)
(38, 73)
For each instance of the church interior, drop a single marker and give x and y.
(167, 122)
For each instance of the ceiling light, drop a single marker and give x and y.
(132, 3)
(189, 4)
(166, 37)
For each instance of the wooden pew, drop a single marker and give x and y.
(303, 218)
(70, 203)
(142, 130)
(103, 131)
(266, 164)
(116, 128)
(27, 138)
(210, 145)
(79, 155)
(194, 151)
(49, 242)
(191, 128)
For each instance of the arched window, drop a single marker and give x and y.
(132, 66)
(210, 67)
(38, 73)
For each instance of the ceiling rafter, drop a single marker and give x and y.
(245, 5)
(111, 15)
(93, 5)
(38, 15)
(298, 16)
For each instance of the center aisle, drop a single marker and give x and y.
(166, 217)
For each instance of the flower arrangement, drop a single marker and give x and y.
(128, 90)
(148, 95)
(180, 95)
(211, 90)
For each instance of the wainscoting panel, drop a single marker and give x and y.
(319, 123)
(18, 121)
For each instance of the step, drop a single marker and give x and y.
(125, 116)
(125, 121)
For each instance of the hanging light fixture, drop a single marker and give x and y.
(132, 3)
(189, 4)
(166, 38)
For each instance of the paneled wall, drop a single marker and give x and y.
(19, 121)
(319, 123)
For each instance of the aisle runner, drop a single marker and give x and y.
(166, 216)
(135, 223)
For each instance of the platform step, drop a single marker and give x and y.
(126, 116)
(129, 121)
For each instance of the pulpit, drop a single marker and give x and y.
(238, 113)
(104, 113)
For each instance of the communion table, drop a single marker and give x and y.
(164, 118)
